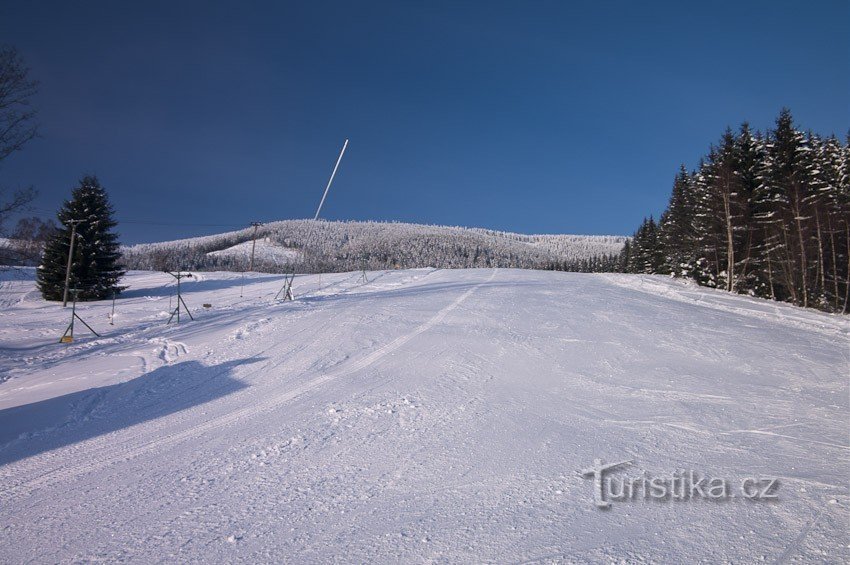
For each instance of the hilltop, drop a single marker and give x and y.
(313, 246)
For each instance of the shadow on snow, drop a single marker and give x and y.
(57, 422)
(190, 285)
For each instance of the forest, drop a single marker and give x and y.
(765, 214)
(309, 246)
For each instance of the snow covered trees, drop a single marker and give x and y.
(26, 242)
(320, 246)
(94, 267)
(767, 215)
(646, 251)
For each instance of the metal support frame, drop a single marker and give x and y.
(68, 336)
(179, 275)
(286, 290)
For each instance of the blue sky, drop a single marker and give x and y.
(537, 117)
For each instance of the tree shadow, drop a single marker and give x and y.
(189, 286)
(41, 426)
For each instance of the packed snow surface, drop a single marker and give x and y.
(424, 415)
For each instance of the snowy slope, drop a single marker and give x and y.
(264, 249)
(427, 415)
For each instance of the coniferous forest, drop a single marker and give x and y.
(765, 214)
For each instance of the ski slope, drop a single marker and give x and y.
(424, 415)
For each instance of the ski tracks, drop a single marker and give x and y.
(66, 464)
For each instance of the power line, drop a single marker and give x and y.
(147, 223)
(156, 223)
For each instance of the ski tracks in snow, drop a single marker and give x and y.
(66, 464)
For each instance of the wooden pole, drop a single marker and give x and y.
(254, 243)
(70, 258)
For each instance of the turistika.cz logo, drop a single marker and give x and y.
(679, 485)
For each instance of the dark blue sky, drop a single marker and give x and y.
(544, 117)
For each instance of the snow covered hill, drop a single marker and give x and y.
(264, 250)
(424, 415)
(315, 246)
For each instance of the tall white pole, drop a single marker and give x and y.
(287, 285)
(327, 188)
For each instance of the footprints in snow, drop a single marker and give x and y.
(267, 454)
(402, 413)
(168, 351)
(249, 328)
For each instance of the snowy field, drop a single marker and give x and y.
(263, 249)
(427, 415)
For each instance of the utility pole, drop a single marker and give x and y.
(70, 257)
(254, 243)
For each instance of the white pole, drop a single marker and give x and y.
(327, 188)
(287, 286)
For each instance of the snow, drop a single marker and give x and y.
(426, 415)
(265, 249)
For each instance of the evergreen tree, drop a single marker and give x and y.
(749, 149)
(624, 259)
(767, 215)
(646, 254)
(786, 182)
(94, 267)
(839, 226)
(726, 208)
(706, 223)
(676, 227)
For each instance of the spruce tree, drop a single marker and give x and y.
(624, 259)
(749, 158)
(676, 227)
(646, 254)
(95, 270)
(787, 185)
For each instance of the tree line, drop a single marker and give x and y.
(764, 214)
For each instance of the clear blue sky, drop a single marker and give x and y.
(543, 117)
